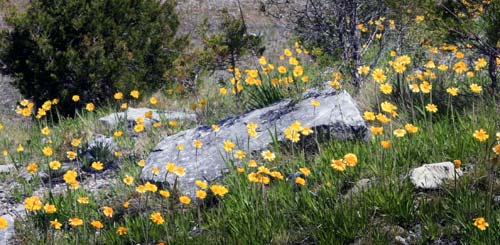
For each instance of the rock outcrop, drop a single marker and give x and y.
(337, 116)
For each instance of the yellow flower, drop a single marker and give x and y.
(33, 203)
(222, 91)
(419, 18)
(399, 133)
(139, 128)
(164, 193)
(412, 129)
(49, 208)
(239, 154)
(268, 155)
(97, 224)
(281, 69)
(459, 55)
(443, 67)
(121, 230)
(83, 200)
(481, 223)
(118, 95)
(288, 52)
(185, 200)
(75, 98)
(201, 184)
(480, 64)
(477, 89)
(315, 103)
(385, 144)
(135, 94)
(335, 84)
(118, 134)
(453, 91)
(44, 131)
(376, 130)
(228, 145)
(496, 149)
(378, 75)
(426, 87)
(219, 190)
(382, 118)
(55, 224)
(20, 148)
(97, 166)
(386, 88)
(338, 165)
(305, 171)
(306, 131)
(153, 100)
(108, 211)
(460, 67)
(300, 181)
(70, 176)
(180, 147)
(90, 107)
(180, 171)
(128, 180)
(363, 70)
(431, 108)
(55, 165)
(118, 153)
(124, 106)
(262, 60)
(141, 163)
(457, 163)
(32, 168)
(369, 116)
(197, 144)
(252, 163)
(155, 170)
(170, 167)
(470, 74)
(480, 135)
(387, 107)
(215, 128)
(298, 71)
(71, 155)
(350, 159)
(430, 64)
(157, 218)
(201, 194)
(157, 124)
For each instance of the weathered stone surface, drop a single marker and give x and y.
(431, 176)
(6, 168)
(133, 113)
(337, 116)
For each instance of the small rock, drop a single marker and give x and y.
(431, 176)
(361, 185)
(400, 240)
(7, 168)
(133, 113)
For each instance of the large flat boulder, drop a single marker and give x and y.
(337, 116)
(133, 113)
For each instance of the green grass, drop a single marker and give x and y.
(320, 212)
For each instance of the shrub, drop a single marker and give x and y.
(91, 48)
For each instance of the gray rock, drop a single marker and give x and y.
(7, 168)
(133, 113)
(361, 185)
(7, 234)
(431, 176)
(337, 116)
